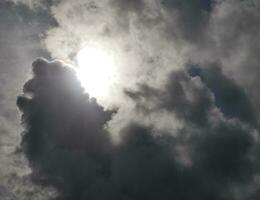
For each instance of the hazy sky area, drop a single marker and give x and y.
(129, 99)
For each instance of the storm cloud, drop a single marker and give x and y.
(181, 122)
(213, 155)
(64, 138)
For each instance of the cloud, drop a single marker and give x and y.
(231, 42)
(21, 30)
(192, 17)
(187, 123)
(231, 99)
(199, 31)
(212, 155)
(64, 139)
(34, 5)
(187, 98)
(131, 32)
(5, 194)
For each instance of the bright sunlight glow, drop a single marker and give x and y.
(96, 70)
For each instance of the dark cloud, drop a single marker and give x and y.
(188, 98)
(231, 40)
(64, 138)
(231, 99)
(210, 157)
(216, 152)
(195, 5)
(212, 154)
(242, 32)
(20, 41)
(147, 165)
(192, 18)
(21, 31)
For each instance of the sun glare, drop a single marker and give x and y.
(96, 70)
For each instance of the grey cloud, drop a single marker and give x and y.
(6, 194)
(211, 156)
(186, 20)
(35, 5)
(64, 138)
(231, 99)
(125, 8)
(20, 32)
(231, 40)
(220, 152)
(187, 97)
(192, 17)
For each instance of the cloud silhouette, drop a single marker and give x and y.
(212, 156)
(64, 139)
(187, 125)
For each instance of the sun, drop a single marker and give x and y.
(96, 70)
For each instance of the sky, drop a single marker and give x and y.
(129, 99)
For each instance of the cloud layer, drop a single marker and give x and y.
(186, 123)
(213, 155)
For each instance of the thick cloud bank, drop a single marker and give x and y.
(187, 81)
(213, 154)
(64, 138)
